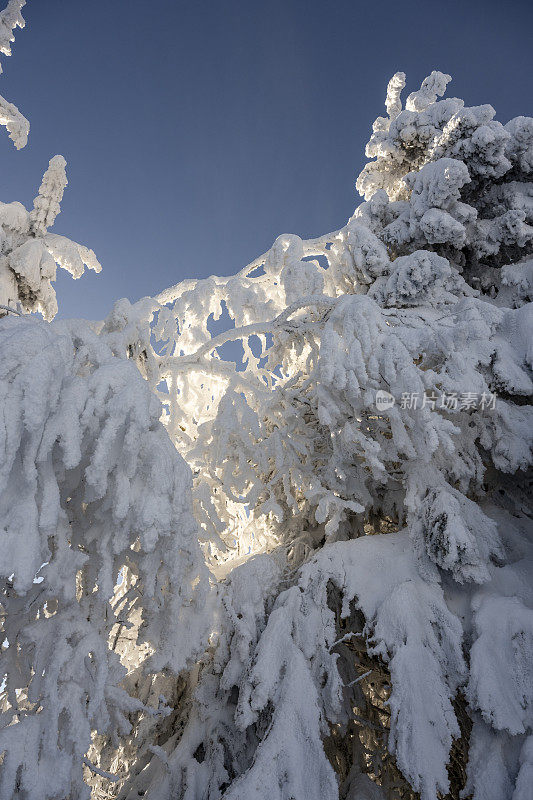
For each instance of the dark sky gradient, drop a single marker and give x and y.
(196, 132)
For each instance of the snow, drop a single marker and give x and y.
(87, 473)
(10, 18)
(281, 538)
(29, 254)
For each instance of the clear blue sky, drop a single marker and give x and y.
(196, 132)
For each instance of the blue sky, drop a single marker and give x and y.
(196, 132)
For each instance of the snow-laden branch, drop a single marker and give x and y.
(103, 774)
(16, 123)
(10, 18)
(244, 332)
(312, 247)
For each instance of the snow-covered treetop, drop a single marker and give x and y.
(46, 205)
(29, 254)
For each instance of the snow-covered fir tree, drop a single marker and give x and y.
(305, 574)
